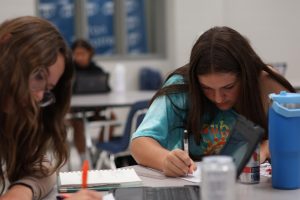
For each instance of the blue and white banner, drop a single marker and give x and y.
(101, 26)
(61, 14)
(136, 27)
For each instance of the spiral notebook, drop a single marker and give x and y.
(98, 179)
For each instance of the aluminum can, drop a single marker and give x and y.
(218, 178)
(251, 172)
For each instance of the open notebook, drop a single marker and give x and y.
(98, 179)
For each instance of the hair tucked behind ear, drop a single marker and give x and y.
(28, 132)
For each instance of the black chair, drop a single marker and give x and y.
(91, 83)
(119, 147)
(149, 79)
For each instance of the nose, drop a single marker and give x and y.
(39, 95)
(218, 97)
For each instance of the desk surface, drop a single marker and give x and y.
(261, 191)
(112, 99)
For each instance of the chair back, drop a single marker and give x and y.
(91, 83)
(134, 118)
(149, 79)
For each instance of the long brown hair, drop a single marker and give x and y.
(27, 131)
(222, 49)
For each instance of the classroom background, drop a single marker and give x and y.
(272, 26)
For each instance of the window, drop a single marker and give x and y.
(116, 28)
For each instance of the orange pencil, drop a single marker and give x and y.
(85, 168)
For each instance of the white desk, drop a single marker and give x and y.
(112, 99)
(261, 191)
(81, 104)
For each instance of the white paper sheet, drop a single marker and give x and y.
(196, 176)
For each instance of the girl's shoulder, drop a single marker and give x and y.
(269, 85)
(174, 79)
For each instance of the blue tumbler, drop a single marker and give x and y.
(284, 140)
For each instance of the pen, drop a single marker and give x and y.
(186, 141)
(85, 168)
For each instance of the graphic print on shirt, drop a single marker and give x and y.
(215, 134)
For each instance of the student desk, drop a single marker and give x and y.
(111, 99)
(261, 191)
(82, 104)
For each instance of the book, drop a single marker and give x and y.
(98, 180)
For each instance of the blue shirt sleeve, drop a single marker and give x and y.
(162, 122)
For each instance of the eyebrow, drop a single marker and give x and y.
(230, 84)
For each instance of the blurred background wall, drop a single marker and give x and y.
(272, 26)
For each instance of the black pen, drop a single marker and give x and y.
(186, 141)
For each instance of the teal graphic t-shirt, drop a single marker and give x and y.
(165, 124)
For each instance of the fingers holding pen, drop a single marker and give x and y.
(178, 163)
(193, 167)
(189, 162)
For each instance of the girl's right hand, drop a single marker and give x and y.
(178, 163)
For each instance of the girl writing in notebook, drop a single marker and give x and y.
(35, 85)
(223, 74)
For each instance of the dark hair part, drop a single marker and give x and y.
(223, 50)
(28, 131)
(81, 43)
